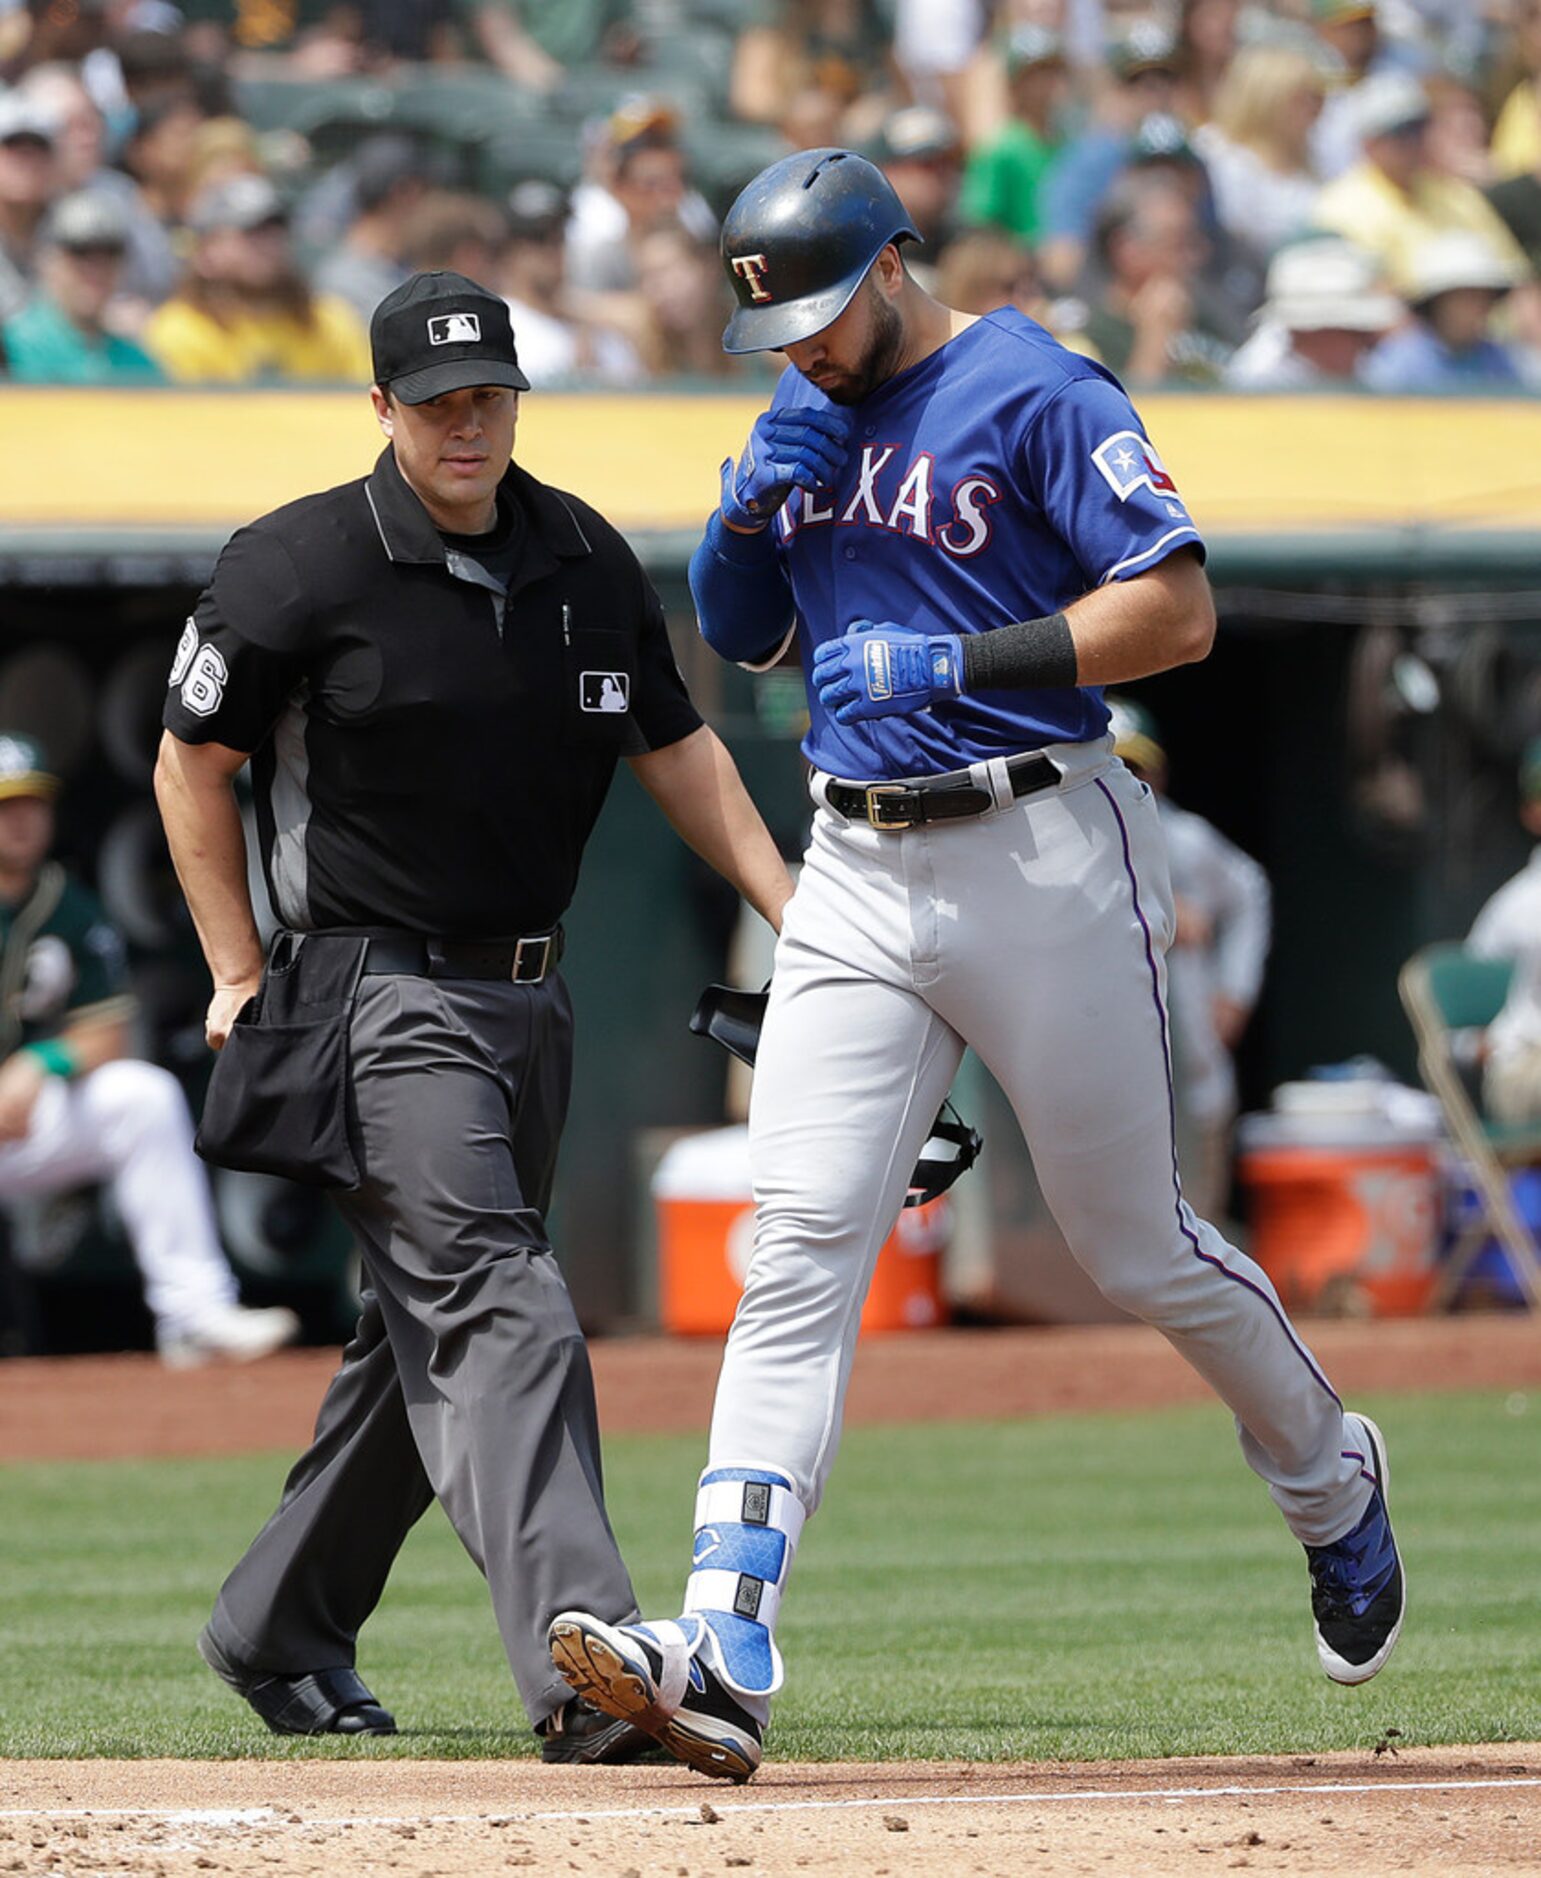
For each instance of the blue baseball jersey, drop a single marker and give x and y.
(997, 480)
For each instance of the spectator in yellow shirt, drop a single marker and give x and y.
(1393, 201)
(1516, 142)
(245, 314)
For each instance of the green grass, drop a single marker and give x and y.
(1090, 1588)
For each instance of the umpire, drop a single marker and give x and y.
(433, 672)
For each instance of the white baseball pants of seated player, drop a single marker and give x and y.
(128, 1123)
(1033, 933)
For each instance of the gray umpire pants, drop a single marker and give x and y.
(468, 1378)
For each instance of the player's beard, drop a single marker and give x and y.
(880, 359)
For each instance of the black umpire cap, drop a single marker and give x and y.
(441, 332)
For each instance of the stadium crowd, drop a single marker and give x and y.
(1260, 194)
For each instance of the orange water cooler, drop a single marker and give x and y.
(702, 1194)
(1343, 1225)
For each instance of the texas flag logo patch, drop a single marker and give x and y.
(1128, 462)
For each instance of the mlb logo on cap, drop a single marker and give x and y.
(440, 332)
(450, 329)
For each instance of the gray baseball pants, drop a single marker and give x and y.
(468, 1378)
(1035, 933)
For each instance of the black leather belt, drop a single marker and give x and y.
(896, 805)
(518, 961)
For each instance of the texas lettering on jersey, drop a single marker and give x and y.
(905, 504)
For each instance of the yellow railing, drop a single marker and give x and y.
(1245, 465)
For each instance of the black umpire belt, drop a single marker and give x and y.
(510, 961)
(945, 798)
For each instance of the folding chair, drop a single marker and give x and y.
(1446, 989)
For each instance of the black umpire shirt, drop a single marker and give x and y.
(430, 750)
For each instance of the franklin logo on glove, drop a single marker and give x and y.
(879, 673)
(878, 669)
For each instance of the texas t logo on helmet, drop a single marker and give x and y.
(752, 267)
(817, 219)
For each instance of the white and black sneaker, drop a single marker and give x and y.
(652, 1676)
(1358, 1593)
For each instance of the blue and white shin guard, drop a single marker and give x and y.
(748, 1520)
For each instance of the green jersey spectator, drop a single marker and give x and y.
(1001, 181)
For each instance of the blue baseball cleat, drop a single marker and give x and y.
(1357, 1589)
(653, 1676)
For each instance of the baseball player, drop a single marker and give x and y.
(76, 1107)
(1223, 910)
(968, 533)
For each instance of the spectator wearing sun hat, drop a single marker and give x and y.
(1457, 283)
(1325, 308)
(61, 336)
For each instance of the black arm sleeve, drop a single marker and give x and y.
(1033, 655)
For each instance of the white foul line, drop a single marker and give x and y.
(268, 1816)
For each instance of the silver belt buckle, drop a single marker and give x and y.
(525, 953)
(875, 818)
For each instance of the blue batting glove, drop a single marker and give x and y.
(880, 670)
(800, 448)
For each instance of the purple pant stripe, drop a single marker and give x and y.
(1171, 1109)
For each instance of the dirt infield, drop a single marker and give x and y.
(1454, 1811)
(1445, 1811)
(126, 1407)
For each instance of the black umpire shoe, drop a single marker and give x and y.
(321, 1702)
(584, 1736)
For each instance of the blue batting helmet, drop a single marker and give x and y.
(798, 241)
